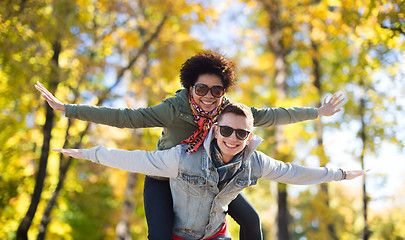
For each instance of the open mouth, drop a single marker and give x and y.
(208, 103)
(231, 145)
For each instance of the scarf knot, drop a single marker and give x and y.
(204, 121)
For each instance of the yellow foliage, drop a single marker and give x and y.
(60, 228)
(318, 35)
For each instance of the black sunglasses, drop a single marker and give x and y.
(226, 131)
(202, 89)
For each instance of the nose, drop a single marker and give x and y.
(209, 94)
(233, 136)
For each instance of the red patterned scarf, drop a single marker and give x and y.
(204, 121)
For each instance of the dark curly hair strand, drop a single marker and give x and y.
(207, 63)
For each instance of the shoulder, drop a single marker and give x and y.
(191, 160)
(180, 99)
(259, 159)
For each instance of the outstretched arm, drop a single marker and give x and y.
(267, 117)
(157, 163)
(160, 115)
(331, 107)
(50, 98)
(289, 173)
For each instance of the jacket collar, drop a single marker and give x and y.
(254, 143)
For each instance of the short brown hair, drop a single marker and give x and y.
(239, 109)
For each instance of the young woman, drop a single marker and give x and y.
(187, 118)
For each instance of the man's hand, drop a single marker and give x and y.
(52, 100)
(329, 107)
(355, 173)
(74, 153)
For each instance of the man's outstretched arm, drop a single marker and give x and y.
(163, 163)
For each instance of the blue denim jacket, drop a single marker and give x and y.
(199, 206)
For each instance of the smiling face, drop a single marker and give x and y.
(207, 102)
(230, 146)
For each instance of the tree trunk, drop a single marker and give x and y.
(282, 214)
(64, 168)
(280, 53)
(319, 135)
(22, 231)
(363, 135)
(122, 230)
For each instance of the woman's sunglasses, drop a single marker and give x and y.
(226, 131)
(202, 89)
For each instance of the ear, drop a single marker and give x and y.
(249, 138)
(216, 130)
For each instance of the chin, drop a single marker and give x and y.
(209, 109)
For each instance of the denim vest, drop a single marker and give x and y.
(200, 208)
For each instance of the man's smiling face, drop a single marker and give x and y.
(232, 145)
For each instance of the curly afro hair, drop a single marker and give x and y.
(207, 63)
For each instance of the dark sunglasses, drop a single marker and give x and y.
(202, 89)
(226, 131)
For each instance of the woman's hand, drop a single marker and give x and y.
(52, 100)
(74, 153)
(329, 108)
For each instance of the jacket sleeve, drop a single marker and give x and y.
(160, 115)
(278, 116)
(289, 173)
(163, 163)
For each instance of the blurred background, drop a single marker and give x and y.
(128, 53)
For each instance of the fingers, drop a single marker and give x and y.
(340, 102)
(337, 110)
(63, 151)
(324, 100)
(45, 93)
(336, 99)
(75, 153)
(352, 174)
(50, 98)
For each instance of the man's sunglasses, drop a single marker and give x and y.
(226, 131)
(202, 89)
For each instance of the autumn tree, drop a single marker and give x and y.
(82, 51)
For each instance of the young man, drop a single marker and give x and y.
(203, 183)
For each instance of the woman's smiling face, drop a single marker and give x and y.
(207, 102)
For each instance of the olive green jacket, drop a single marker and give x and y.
(174, 115)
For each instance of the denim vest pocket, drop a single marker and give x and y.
(244, 183)
(197, 185)
(238, 185)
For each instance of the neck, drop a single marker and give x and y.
(227, 158)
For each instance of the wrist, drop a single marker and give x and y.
(320, 113)
(344, 174)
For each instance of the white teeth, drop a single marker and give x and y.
(207, 103)
(231, 145)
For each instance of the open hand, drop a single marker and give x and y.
(75, 153)
(51, 99)
(329, 107)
